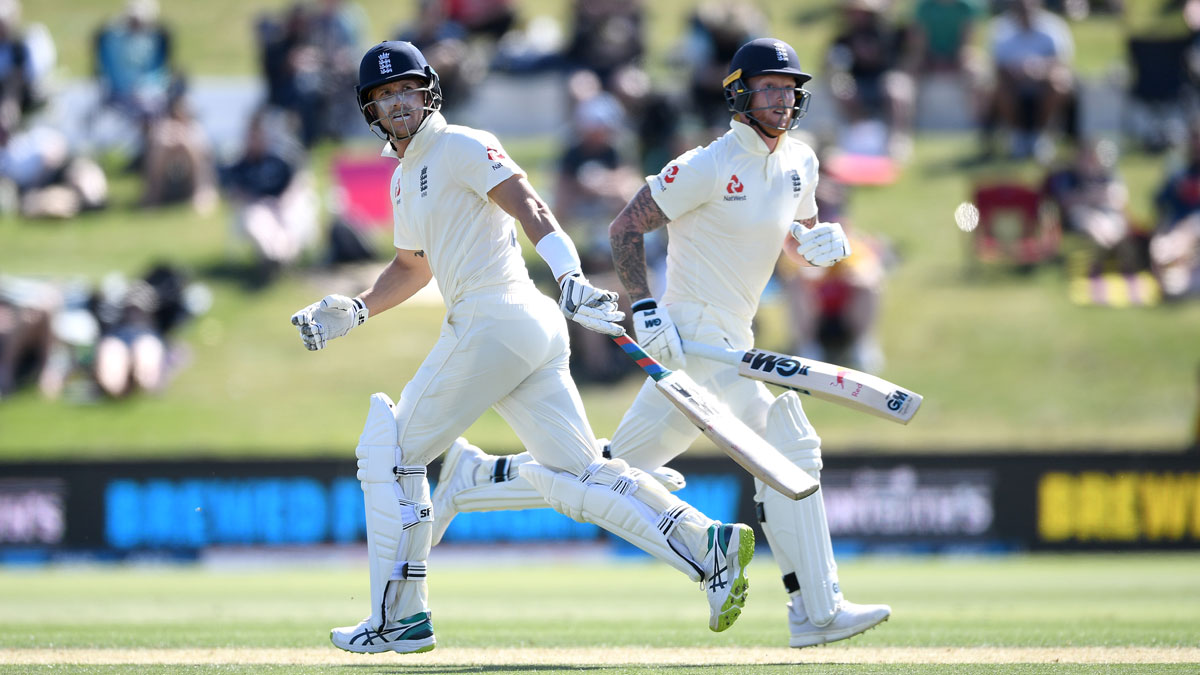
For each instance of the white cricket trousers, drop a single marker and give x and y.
(653, 431)
(505, 349)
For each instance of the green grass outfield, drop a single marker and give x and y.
(1077, 614)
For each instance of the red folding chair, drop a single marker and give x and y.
(1011, 228)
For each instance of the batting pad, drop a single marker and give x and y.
(399, 519)
(630, 504)
(517, 493)
(797, 530)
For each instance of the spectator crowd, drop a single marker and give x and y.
(1010, 65)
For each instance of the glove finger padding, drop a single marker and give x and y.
(823, 245)
(591, 307)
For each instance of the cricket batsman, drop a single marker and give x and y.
(503, 345)
(728, 208)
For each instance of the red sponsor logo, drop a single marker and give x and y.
(841, 379)
(670, 175)
(735, 185)
(494, 153)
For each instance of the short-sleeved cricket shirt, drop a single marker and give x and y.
(731, 204)
(440, 206)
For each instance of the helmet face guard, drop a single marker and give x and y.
(738, 95)
(765, 56)
(375, 112)
(390, 62)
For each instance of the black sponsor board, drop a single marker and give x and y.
(960, 501)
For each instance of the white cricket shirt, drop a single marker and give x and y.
(731, 204)
(440, 206)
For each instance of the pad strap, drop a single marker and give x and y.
(406, 570)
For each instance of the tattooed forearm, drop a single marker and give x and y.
(626, 235)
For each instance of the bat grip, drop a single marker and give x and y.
(713, 353)
(653, 368)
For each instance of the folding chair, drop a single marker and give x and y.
(1011, 227)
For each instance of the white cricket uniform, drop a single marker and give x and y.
(503, 344)
(731, 205)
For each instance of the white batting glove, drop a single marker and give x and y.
(657, 334)
(823, 245)
(330, 318)
(591, 307)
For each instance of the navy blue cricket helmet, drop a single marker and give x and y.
(764, 56)
(390, 61)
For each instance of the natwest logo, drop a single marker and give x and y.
(493, 153)
(734, 186)
(669, 177)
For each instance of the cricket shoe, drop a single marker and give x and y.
(849, 620)
(457, 474)
(730, 548)
(412, 635)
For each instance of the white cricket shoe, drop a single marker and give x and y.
(412, 635)
(730, 548)
(457, 474)
(849, 620)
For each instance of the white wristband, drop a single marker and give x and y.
(558, 251)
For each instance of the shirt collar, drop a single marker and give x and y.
(749, 139)
(421, 140)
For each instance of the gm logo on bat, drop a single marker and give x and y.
(765, 363)
(896, 400)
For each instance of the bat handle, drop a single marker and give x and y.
(653, 368)
(713, 353)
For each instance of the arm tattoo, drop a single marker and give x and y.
(640, 216)
(419, 254)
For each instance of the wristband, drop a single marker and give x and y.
(559, 252)
(360, 311)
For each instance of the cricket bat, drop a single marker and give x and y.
(854, 389)
(731, 435)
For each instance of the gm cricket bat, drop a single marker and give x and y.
(851, 388)
(740, 442)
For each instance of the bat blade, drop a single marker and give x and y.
(734, 438)
(845, 386)
(727, 432)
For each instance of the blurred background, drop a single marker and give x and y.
(177, 178)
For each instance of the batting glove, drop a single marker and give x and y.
(823, 245)
(330, 318)
(591, 307)
(656, 333)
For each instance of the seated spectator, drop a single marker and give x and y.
(178, 164)
(136, 320)
(865, 78)
(40, 176)
(491, 19)
(607, 34)
(444, 44)
(715, 31)
(337, 30)
(1034, 85)
(939, 43)
(290, 64)
(27, 56)
(1175, 243)
(274, 205)
(1091, 200)
(134, 62)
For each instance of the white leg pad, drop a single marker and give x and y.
(630, 504)
(399, 519)
(797, 530)
(507, 490)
